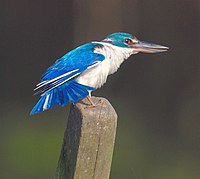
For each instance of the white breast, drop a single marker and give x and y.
(97, 75)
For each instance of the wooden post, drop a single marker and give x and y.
(88, 141)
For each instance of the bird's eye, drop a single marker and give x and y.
(128, 41)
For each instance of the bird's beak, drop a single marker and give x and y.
(146, 47)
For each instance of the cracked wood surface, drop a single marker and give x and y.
(88, 141)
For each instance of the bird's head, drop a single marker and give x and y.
(126, 40)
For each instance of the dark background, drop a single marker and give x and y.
(156, 96)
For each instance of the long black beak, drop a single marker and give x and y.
(147, 47)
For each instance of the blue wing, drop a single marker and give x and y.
(58, 86)
(70, 66)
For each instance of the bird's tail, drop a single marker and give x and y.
(68, 92)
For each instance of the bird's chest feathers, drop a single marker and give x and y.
(97, 76)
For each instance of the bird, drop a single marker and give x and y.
(86, 68)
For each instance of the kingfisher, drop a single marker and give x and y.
(86, 68)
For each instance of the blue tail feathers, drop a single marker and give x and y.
(68, 92)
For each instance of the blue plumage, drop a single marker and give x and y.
(80, 58)
(58, 86)
(86, 68)
(69, 92)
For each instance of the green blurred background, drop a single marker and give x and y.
(157, 96)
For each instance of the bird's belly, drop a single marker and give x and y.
(94, 77)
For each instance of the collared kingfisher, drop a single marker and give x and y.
(79, 72)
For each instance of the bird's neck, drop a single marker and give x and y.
(114, 55)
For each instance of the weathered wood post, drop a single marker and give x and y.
(88, 141)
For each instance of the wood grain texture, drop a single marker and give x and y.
(88, 141)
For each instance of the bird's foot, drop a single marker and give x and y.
(92, 105)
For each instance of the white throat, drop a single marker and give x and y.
(113, 54)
